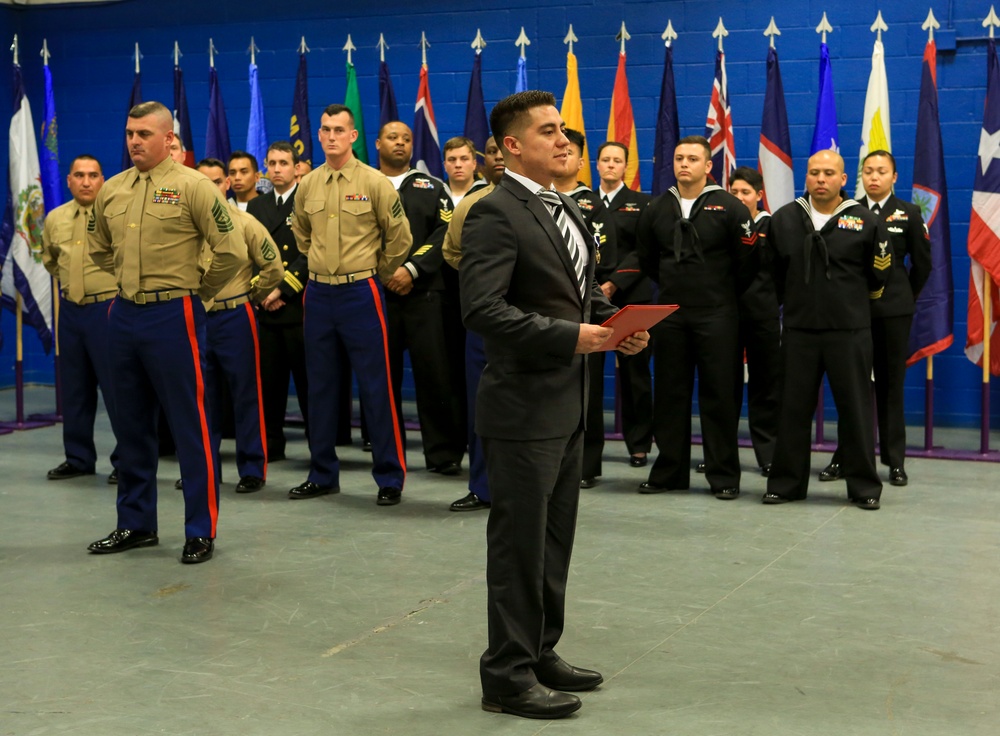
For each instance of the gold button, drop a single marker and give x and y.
(284, 247)
(285, 264)
(79, 242)
(132, 225)
(332, 216)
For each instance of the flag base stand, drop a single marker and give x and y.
(53, 418)
(22, 425)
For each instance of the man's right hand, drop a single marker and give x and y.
(592, 338)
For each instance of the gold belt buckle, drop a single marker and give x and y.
(140, 297)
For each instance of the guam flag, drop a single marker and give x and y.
(667, 129)
(774, 155)
(426, 148)
(932, 322)
(719, 126)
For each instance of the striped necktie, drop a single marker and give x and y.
(555, 205)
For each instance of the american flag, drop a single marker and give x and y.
(719, 126)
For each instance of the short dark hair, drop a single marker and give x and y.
(613, 143)
(750, 176)
(880, 152)
(211, 163)
(150, 108)
(387, 123)
(284, 147)
(459, 141)
(243, 154)
(86, 157)
(511, 111)
(576, 138)
(336, 109)
(696, 140)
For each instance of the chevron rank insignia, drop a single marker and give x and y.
(397, 209)
(267, 250)
(92, 223)
(222, 219)
(445, 215)
(883, 260)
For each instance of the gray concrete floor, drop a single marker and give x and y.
(335, 616)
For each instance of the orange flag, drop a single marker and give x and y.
(621, 125)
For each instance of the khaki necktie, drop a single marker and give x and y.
(332, 240)
(133, 232)
(75, 287)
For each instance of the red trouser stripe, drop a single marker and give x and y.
(260, 389)
(206, 441)
(388, 376)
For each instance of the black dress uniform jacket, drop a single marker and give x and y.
(601, 224)
(909, 237)
(633, 287)
(278, 220)
(428, 209)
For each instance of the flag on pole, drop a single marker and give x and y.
(572, 112)
(49, 154)
(621, 124)
(875, 134)
(931, 332)
(426, 148)
(668, 130)
(522, 75)
(388, 111)
(21, 269)
(182, 121)
(774, 154)
(256, 130)
(825, 133)
(477, 128)
(984, 224)
(719, 126)
(217, 143)
(300, 130)
(352, 99)
(133, 99)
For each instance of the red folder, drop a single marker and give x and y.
(634, 318)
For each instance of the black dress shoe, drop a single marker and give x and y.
(113, 478)
(449, 468)
(275, 457)
(648, 487)
(197, 549)
(831, 472)
(388, 496)
(249, 484)
(868, 504)
(311, 490)
(122, 539)
(774, 498)
(536, 702)
(638, 461)
(472, 502)
(765, 470)
(564, 676)
(897, 477)
(699, 468)
(66, 470)
(588, 482)
(179, 484)
(727, 494)
(366, 446)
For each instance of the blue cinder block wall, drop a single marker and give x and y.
(92, 65)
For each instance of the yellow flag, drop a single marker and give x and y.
(875, 135)
(572, 112)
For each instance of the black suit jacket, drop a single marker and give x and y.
(906, 230)
(276, 219)
(519, 293)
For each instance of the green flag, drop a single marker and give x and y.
(353, 100)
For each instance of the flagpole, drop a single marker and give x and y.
(984, 433)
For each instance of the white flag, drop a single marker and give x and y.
(875, 124)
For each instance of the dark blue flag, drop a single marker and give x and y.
(49, 154)
(667, 129)
(426, 148)
(134, 99)
(774, 152)
(387, 110)
(217, 143)
(182, 121)
(825, 133)
(477, 128)
(300, 131)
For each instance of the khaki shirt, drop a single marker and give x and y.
(161, 237)
(65, 253)
(452, 247)
(350, 220)
(260, 253)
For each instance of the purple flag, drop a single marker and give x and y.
(667, 129)
(217, 143)
(477, 129)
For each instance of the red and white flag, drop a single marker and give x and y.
(719, 126)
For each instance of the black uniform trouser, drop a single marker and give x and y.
(417, 323)
(845, 356)
(702, 339)
(636, 385)
(282, 353)
(761, 339)
(593, 438)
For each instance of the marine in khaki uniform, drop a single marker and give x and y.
(149, 226)
(84, 290)
(349, 221)
(233, 356)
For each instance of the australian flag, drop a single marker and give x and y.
(182, 121)
(774, 155)
(825, 133)
(387, 110)
(477, 129)
(667, 130)
(300, 131)
(134, 99)
(719, 126)
(217, 143)
(426, 148)
(932, 322)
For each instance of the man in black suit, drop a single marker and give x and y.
(527, 287)
(892, 314)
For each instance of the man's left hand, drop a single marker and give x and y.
(634, 343)
(401, 282)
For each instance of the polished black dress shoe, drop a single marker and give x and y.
(774, 498)
(472, 502)
(113, 478)
(66, 470)
(727, 494)
(564, 676)
(249, 484)
(699, 468)
(179, 484)
(638, 461)
(197, 549)
(831, 472)
(536, 702)
(652, 488)
(868, 504)
(449, 468)
(765, 470)
(311, 490)
(588, 482)
(366, 446)
(122, 539)
(897, 477)
(275, 457)
(388, 496)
